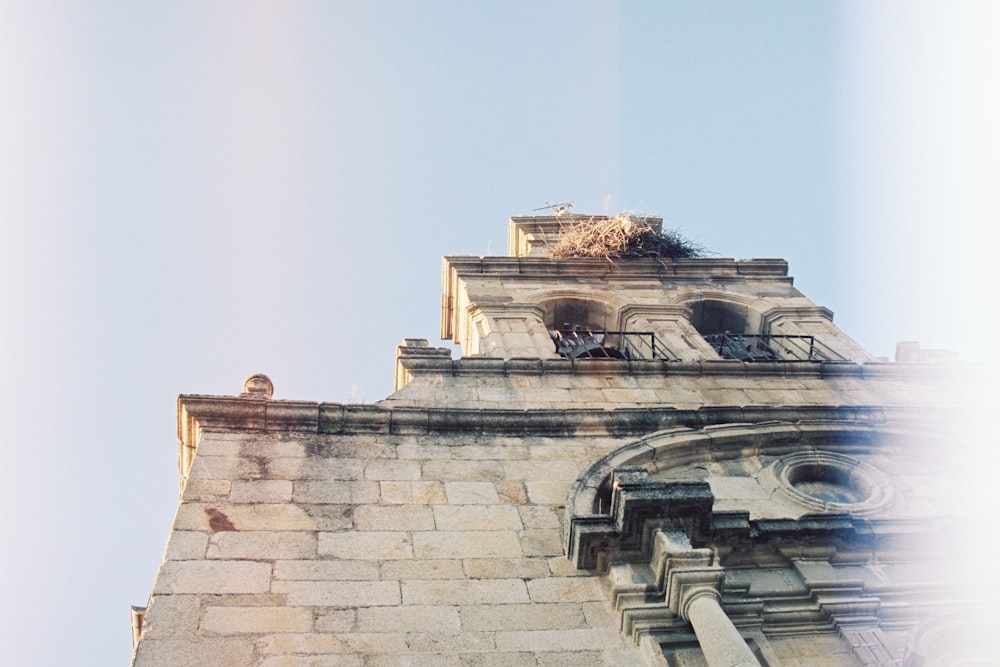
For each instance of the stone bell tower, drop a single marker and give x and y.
(635, 461)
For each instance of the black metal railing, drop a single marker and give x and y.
(748, 347)
(576, 344)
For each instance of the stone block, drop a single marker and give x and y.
(599, 614)
(471, 493)
(262, 545)
(331, 517)
(412, 493)
(535, 516)
(335, 620)
(316, 468)
(542, 543)
(576, 658)
(205, 490)
(552, 471)
(196, 652)
(496, 659)
(261, 491)
(467, 544)
(547, 493)
(272, 446)
(581, 639)
(505, 568)
(336, 492)
(513, 493)
(220, 444)
(522, 617)
(415, 660)
(207, 517)
(445, 643)
(564, 589)
(421, 618)
(172, 616)
(256, 620)
(494, 591)
(560, 566)
(393, 517)
(339, 593)
(466, 471)
(477, 517)
(213, 577)
(335, 660)
(349, 643)
(422, 569)
(186, 545)
(225, 467)
(392, 469)
(326, 570)
(373, 545)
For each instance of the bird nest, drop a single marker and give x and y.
(622, 236)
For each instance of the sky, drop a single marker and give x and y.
(193, 192)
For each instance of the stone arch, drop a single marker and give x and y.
(577, 308)
(590, 493)
(716, 312)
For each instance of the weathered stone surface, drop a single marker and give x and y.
(564, 589)
(412, 493)
(256, 620)
(522, 617)
(505, 568)
(326, 570)
(471, 544)
(390, 469)
(262, 545)
(476, 517)
(496, 591)
(351, 643)
(210, 517)
(471, 493)
(206, 652)
(213, 577)
(366, 545)
(436, 619)
(187, 545)
(173, 617)
(555, 640)
(261, 491)
(394, 517)
(339, 593)
(422, 569)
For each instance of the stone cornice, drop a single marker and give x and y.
(491, 366)
(247, 414)
(715, 268)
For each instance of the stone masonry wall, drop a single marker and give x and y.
(378, 550)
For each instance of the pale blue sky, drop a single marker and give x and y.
(192, 192)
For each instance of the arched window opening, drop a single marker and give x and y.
(732, 331)
(585, 329)
(735, 332)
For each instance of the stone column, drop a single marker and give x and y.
(692, 581)
(719, 639)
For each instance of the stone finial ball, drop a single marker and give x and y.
(258, 386)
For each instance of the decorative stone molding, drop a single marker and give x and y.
(258, 386)
(829, 482)
(412, 348)
(663, 548)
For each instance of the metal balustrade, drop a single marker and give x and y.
(749, 347)
(580, 343)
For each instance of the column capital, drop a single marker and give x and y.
(684, 586)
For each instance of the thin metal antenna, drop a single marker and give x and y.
(558, 209)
